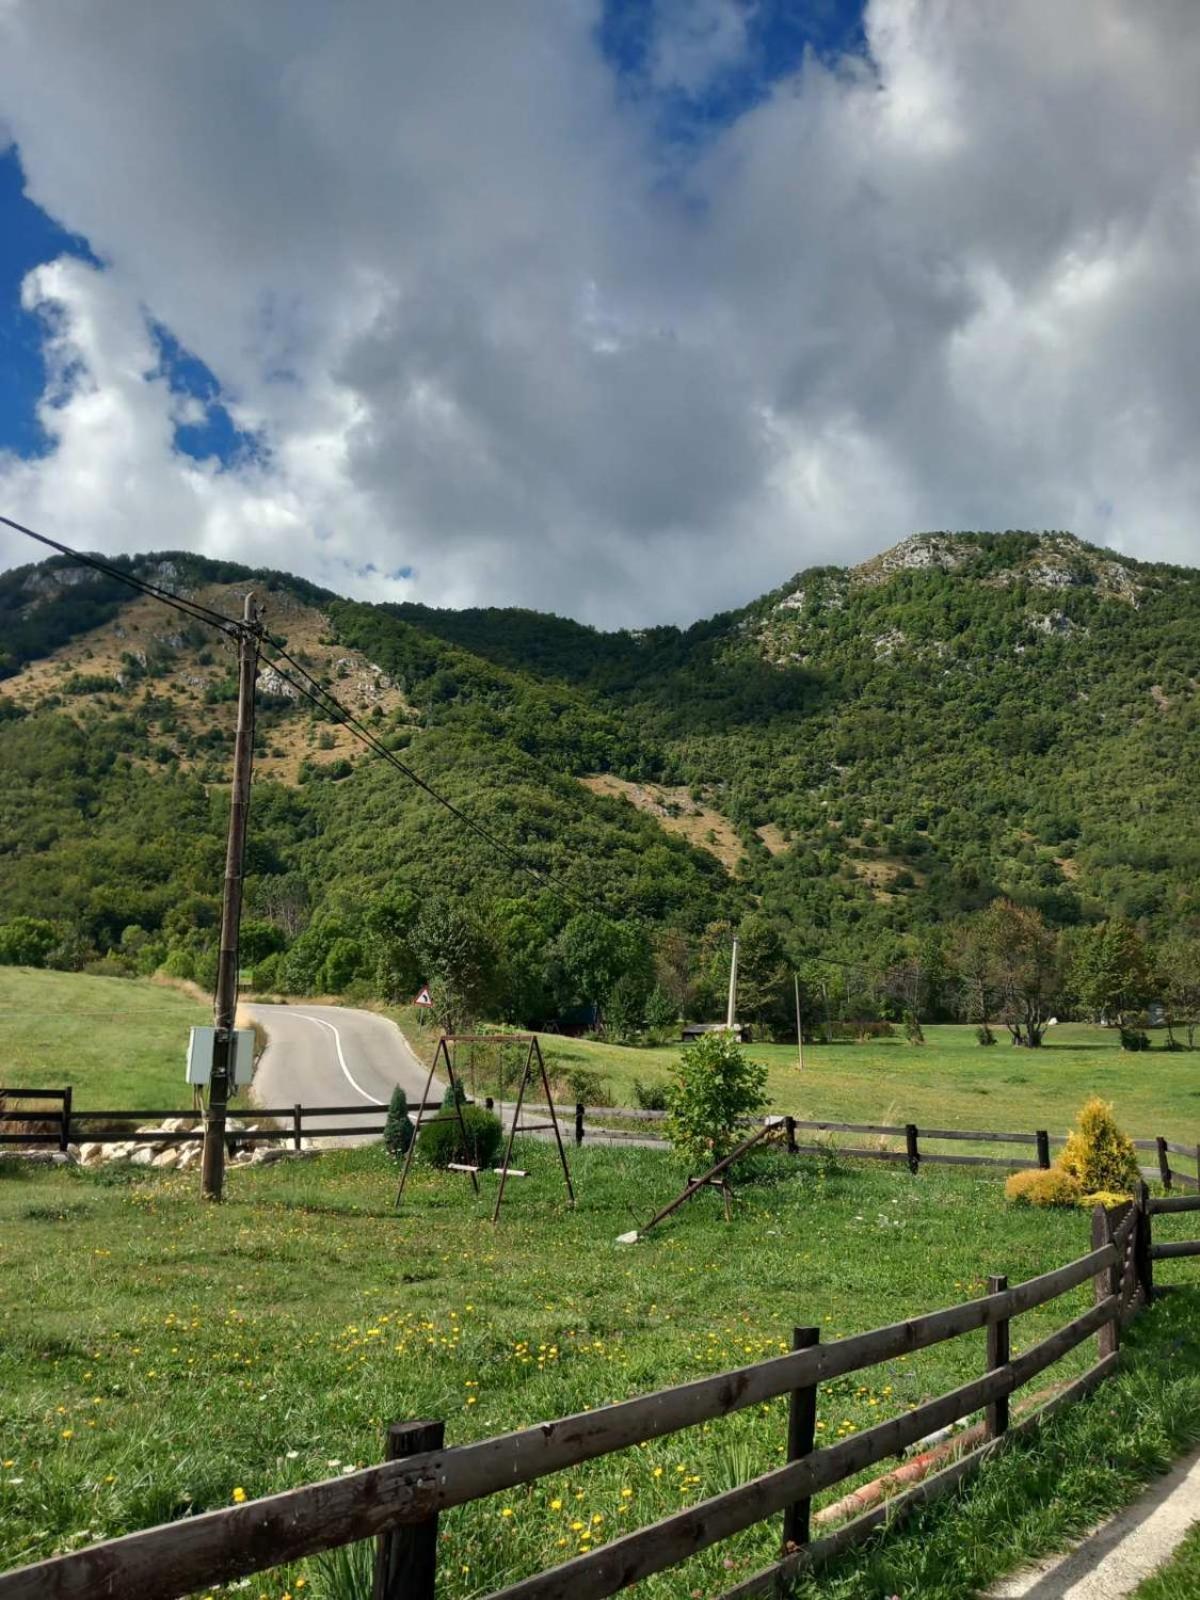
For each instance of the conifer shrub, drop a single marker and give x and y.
(1098, 1154)
(442, 1142)
(397, 1130)
(1049, 1187)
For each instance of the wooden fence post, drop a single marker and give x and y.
(1198, 1164)
(802, 1433)
(64, 1132)
(910, 1140)
(789, 1126)
(1164, 1163)
(1107, 1282)
(998, 1352)
(578, 1122)
(406, 1558)
(297, 1121)
(1043, 1148)
(1142, 1238)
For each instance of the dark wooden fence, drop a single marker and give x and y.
(63, 1126)
(603, 1119)
(66, 1127)
(399, 1502)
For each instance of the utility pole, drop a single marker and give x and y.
(212, 1166)
(799, 1029)
(731, 1009)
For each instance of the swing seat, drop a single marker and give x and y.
(461, 1166)
(513, 1172)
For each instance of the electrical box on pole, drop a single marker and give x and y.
(202, 1050)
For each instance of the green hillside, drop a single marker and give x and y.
(860, 758)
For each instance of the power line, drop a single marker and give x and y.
(323, 698)
(191, 608)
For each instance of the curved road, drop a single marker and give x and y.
(334, 1056)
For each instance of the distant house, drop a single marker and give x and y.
(694, 1030)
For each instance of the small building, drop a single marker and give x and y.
(695, 1030)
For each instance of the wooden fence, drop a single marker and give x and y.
(399, 1502)
(68, 1126)
(912, 1152)
(273, 1124)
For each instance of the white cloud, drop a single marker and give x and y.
(436, 261)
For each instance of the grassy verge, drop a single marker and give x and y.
(950, 1081)
(166, 1354)
(1180, 1578)
(120, 1043)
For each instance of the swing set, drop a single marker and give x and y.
(519, 1045)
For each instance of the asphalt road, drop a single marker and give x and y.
(334, 1056)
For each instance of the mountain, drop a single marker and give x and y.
(858, 758)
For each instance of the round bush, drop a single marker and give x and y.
(441, 1142)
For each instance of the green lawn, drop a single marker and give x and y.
(950, 1081)
(163, 1354)
(1180, 1578)
(120, 1043)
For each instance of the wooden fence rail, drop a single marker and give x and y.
(69, 1126)
(399, 1501)
(76, 1126)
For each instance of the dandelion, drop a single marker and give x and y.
(556, 1505)
(507, 1512)
(68, 1433)
(626, 1494)
(239, 1495)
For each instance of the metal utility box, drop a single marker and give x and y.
(201, 1046)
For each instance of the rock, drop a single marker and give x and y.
(142, 1156)
(91, 1155)
(43, 1158)
(189, 1157)
(167, 1158)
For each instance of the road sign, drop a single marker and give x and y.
(424, 998)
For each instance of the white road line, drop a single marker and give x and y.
(337, 1039)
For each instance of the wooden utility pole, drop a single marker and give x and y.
(799, 1029)
(212, 1166)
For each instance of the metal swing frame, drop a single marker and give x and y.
(533, 1053)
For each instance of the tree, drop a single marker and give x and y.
(257, 939)
(597, 953)
(714, 1087)
(397, 1130)
(1110, 970)
(457, 961)
(1179, 968)
(26, 942)
(1022, 967)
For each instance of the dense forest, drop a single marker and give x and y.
(966, 721)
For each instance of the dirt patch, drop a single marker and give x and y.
(773, 838)
(678, 813)
(187, 670)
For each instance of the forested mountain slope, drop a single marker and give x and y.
(862, 755)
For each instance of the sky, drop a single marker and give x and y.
(623, 310)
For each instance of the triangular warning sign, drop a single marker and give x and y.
(424, 998)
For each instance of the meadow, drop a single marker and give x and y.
(120, 1044)
(949, 1081)
(163, 1357)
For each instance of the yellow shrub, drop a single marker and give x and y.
(1051, 1187)
(1104, 1197)
(1098, 1154)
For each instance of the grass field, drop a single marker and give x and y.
(163, 1356)
(120, 1043)
(950, 1081)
